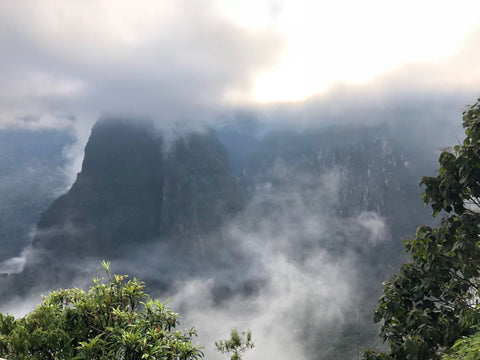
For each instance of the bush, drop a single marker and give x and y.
(115, 319)
(236, 345)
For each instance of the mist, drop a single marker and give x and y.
(298, 265)
(306, 290)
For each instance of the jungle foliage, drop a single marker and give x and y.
(115, 319)
(434, 299)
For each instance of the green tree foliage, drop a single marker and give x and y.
(236, 345)
(433, 300)
(466, 348)
(115, 319)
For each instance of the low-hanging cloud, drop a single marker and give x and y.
(304, 280)
(307, 292)
(277, 316)
(65, 65)
(173, 59)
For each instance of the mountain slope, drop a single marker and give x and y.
(136, 190)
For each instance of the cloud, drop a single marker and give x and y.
(303, 282)
(64, 64)
(308, 292)
(374, 224)
(171, 59)
(14, 265)
(276, 316)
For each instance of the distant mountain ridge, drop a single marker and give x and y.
(31, 171)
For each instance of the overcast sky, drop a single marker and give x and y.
(68, 61)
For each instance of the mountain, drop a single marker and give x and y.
(137, 190)
(374, 169)
(334, 196)
(305, 231)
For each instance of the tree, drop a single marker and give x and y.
(115, 319)
(433, 300)
(466, 348)
(236, 345)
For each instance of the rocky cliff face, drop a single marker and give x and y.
(135, 190)
(350, 194)
(373, 169)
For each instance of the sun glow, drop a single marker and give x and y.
(350, 41)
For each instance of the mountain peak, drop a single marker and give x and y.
(132, 190)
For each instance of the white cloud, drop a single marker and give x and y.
(178, 59)
(354, 42)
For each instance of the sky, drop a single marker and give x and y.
(65, 63)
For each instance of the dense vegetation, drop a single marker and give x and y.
(116, 319)
(433, 301)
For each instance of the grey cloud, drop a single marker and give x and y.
(306, 289)
(430, 93)
(183, 58)
(374, 224)
(13, 265)
(64, 65)
(276, 316)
